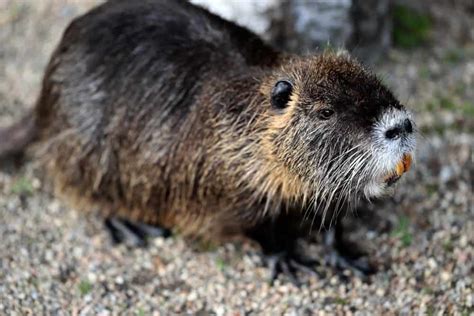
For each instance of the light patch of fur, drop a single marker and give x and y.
(386, 152)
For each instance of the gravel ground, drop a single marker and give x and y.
(55, 260)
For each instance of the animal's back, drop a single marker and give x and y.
(119, 101)
(152, 53)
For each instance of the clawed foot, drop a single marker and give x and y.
(346, 256)
(133, 234)
(360, 267)
(289, 265)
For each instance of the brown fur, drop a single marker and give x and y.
(223, 159)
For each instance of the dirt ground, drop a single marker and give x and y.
(54, 260)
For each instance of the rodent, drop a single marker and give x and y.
(161, 112)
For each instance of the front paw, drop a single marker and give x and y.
(288, 264)
(342, 255)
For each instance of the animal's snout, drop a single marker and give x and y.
(403, 128)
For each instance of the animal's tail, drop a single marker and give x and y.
(15, 139)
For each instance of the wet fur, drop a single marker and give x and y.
(159, 111)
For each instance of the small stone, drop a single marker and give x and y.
(445, 276)
(432, 263)
(380, 292)
(119, 280)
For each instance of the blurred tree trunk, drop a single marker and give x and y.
(372, 23)
(304, 26)
(362, 26)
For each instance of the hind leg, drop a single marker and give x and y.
(133, 234)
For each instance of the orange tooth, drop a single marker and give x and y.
(407, 162)
(400, 168)
(403, 165)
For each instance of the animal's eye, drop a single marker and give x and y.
(325, 114)
(281, 93)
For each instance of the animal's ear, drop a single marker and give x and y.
(281, 94)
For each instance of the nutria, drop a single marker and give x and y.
(159, 112)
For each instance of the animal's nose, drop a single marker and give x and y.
(399, 130)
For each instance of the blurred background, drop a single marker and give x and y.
(53, 259)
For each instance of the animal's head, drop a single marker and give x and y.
(334, 131)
